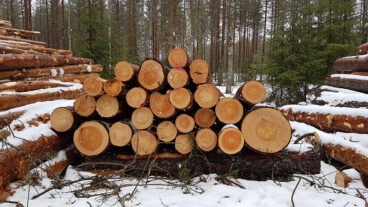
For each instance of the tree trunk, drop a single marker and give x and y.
(348, 82)
(63, 119)
(206, 139)
(113, 87)
(93, 86)
(166, 131)
(178, 58)
(137, 97)
(125, 71)
(85, 105)
(351, 64)
(79, 78)
(25, 86)
(184, 123)
(251, 93)
(229, 111)
(183, 144)
(199, 71)
(20, 31)
(178, 78)
(207, 95)
(5, 23)
(109, 106)
(144, 142)
(230, 140)
(41, 44)
(142, 118)
(151, 75)
(38, 49)
(181, 98)
(120, 134)
(362, 49)
(205, 117)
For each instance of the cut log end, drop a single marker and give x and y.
(230, 140)
(342, 180)
(113, 87)
(144, 142)
(178, 58)
(177, 78)
(184, 123)
(253, 92)
(266, 130)
(137, 97)
(183, 144)
(229, 110)
(161, 106)
(207, 95)
(199, 71)
(142, 118)
(166, 131)
(91, 138)
(205, 117)
(85, 105)
(107, 106)
(181, 98)
(62, 119)
(92, 86)
(206, 139)
(151, 75)
(124, 71)
(120, 134)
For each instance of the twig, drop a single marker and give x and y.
(227, 181)
(17, 203)
(362, 197)
(292, 195)
(302, 137)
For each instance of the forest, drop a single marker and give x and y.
(288, 44)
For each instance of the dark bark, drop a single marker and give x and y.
(351, 64)
(352, 84)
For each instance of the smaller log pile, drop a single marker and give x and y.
(340, 106)
(149, 111)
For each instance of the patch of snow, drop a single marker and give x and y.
(340, 90)
(353, 112)
(10, 84)
(61, 71)
(350, 76)
(89, 68)
(53, 72)
(357, 56)
(334, 99)
(66, 87)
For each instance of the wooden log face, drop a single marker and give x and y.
(151, 75)
(61, 119)
(177, 78)
(137, 97)
(183, 144)
(207, 95)
(85, 105)
(92, 86)
(144, 142)
(266, 130)
(142, 118)
(124, 71)
(206, 139)
(229, 110)
(184, 123)
(91, 138)
(107, 106)
(178, 58)
(166, 131)
(230, 140)
(181, 98)
(113, 87)
(120, 134)
(205, 117)
(161, 106)
(253, 92)
(199, 71)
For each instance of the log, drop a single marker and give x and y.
(5, 23)
(229, 110)
(113, 87)
(108, 106)
(144, 142)
(8, 118)
(181, 98)
(151, 75)
(15, 164)
(42, 44)
(342, 180)
(125, 71)
(362, 49)
(120, 134)
(205, 117)
(19, 61)
(266, 130)
(75, 78)
(352, 82)
(351, 64)
(330, 119)
(62, 119)
(183, 144)
(166, 131)
(17, 43)
(199, 71)
(178, 58)
(206, 139)
(36, 49)
(364, 178)
(360, 73)
(93, 86)
(137, 97)
(178, 78)
(11, 50)
(251, 93)
(49, 71)
(340, 98)
(184, 123)
(91, 138)
(249, 165)
(24, 86)
(160, 105)
(230, 140)
(142, 118)
(207, 95)
(12, 101)
(20, 31)
(85, 105)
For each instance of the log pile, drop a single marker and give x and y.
(340, 106)
(149, 111)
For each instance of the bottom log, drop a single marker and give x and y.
(246, 165)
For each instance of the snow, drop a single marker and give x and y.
(53, 72)
(61, 71)
(352, 112)
(350, 76)
(340, 90)
(89, 68)
(7, 42)
(357, 56)
(333, 98)
(66, 87)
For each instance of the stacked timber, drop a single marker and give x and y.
(149, 111)
(340, 106)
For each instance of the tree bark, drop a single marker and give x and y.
(24, 86)
(41, 44)
(351, 64)
(5, 23)
(20, 31)
(362, 49)
(348, 83)
(50, 51)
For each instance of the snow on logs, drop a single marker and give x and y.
(351, 63)
(347, 81)
(362, 49)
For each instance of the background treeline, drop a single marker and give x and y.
(289, 44)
